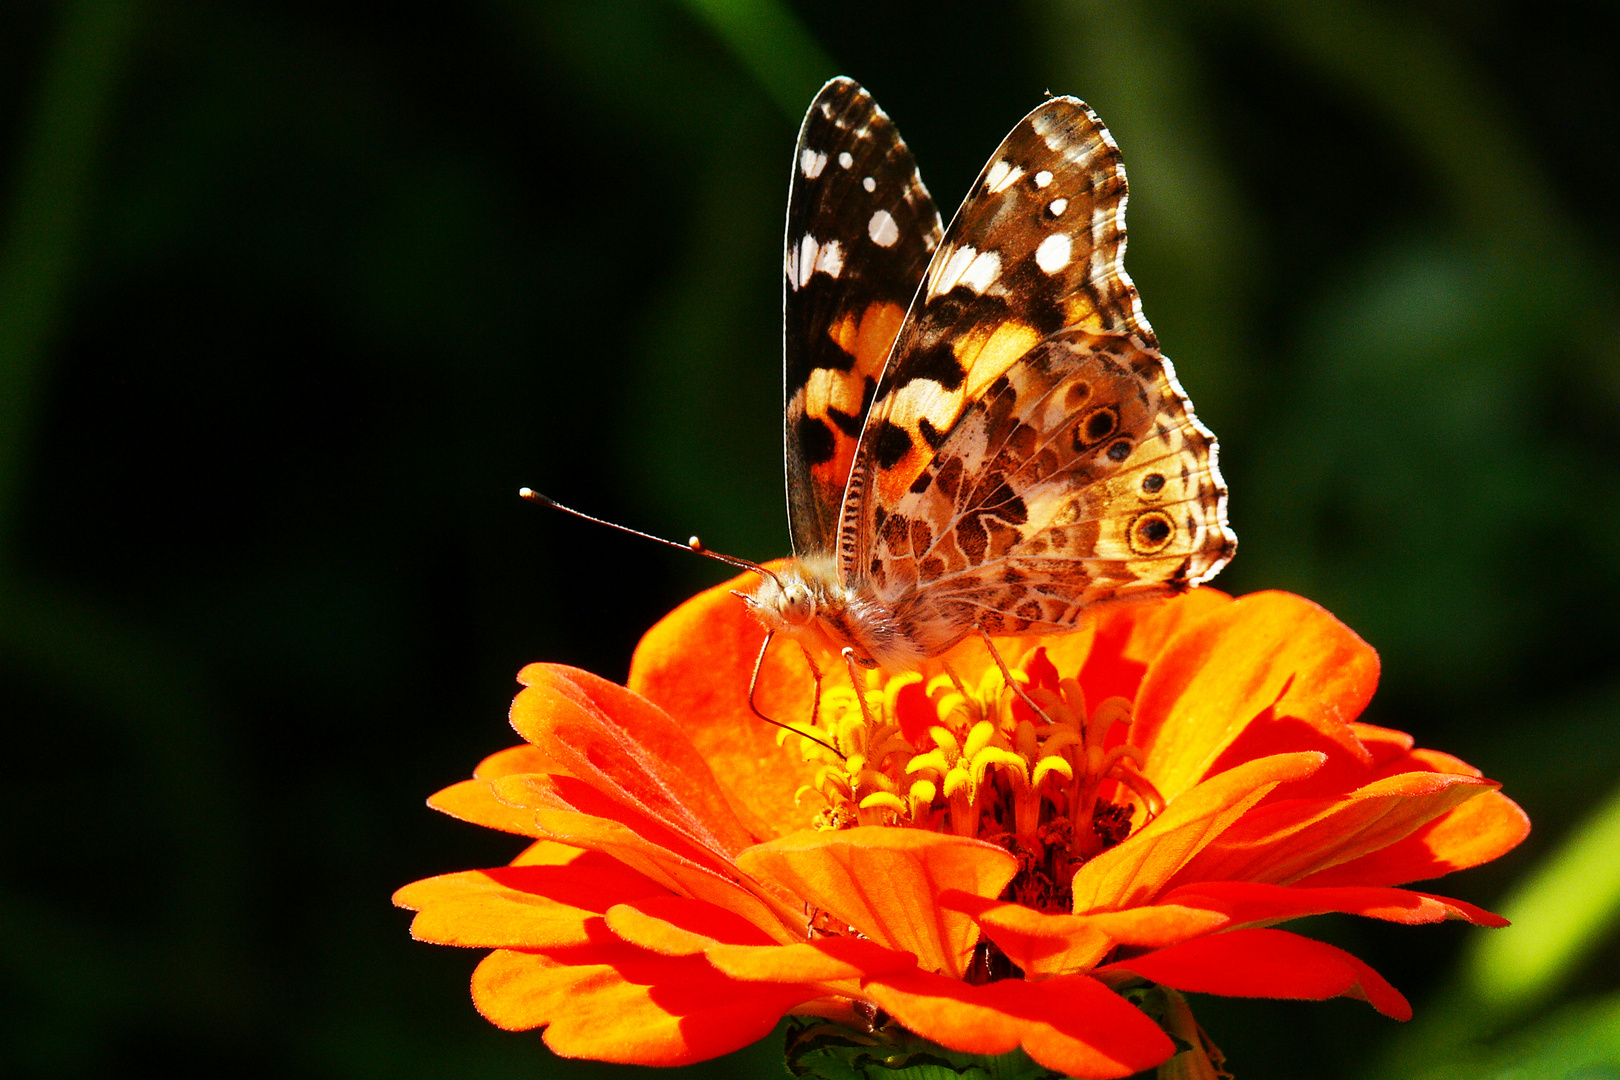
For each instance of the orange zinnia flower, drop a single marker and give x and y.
(985, 875)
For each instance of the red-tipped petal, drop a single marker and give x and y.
(885, 883)
(1269, 654)
(514, 760)
(1070, 1023)
(1134, 872)
(1476, 832)
(824, 960)
(1248, 902)
(680, 876)
(1044, 944)
(1285, 841)
(628, 749)
(676, 926)
(1115, 642)
(1268, 964)
(519, 906)
(474, 801)
(696, 664)
(614, 1002)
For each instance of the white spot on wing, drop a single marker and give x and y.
(831, 259)
(1054, 253)
(1047, 128)
(808, 250)
(1057, 206)
(793, 268)
(982, 271)
(811, 163)
(1043, 178)
(882, 229)
(923, 399)
(869, 184)
(1001, 175)
(950, 271)
(844, 160)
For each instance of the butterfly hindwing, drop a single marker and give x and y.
(1080, 475)
(860, 231)
(1029, 451)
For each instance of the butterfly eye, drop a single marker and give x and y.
(798, 606)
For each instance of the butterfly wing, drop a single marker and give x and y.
(1030, 451)
(860, 230)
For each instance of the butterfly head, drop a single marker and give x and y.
(790, 599)
(808, 598)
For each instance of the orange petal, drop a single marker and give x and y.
(886, 883)
(628, 749)
(522, 758)
(1285, 841)
(549, 853)
(1268, 964)
(614, 1002)
(1421, 760)
(676, 926)
(533, 792)
(474, 801)
(824, 960)
(1071, 1023)
(1248, 902)
(519, 906)
(1476, 832)
(1385, 744)
(696, 664)
(680, 876)
(1114, 643)
(1134, 872)
(1269, 654)
(1046, 944)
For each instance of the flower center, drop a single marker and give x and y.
(1055, 785)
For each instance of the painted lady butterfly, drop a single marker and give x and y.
(1010, 449)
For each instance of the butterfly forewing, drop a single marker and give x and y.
(860, 230)
(1029, 451)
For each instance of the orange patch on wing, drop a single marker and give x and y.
(869, 338)
(833, 474)
(880, 323)
(988, 352)
(843, 333)
(1080, 312)
(892, 483)
(830, 389)
(868, 341)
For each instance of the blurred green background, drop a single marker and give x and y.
(295, 295)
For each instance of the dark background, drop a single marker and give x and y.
(294, 296)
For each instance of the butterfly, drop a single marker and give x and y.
(981, 434)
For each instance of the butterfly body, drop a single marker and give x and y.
(980, 430)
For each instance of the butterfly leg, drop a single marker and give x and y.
(815, 704)
(797, 729)
(859, 685)
(1006, 674)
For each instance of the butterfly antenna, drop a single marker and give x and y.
(693, 545)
